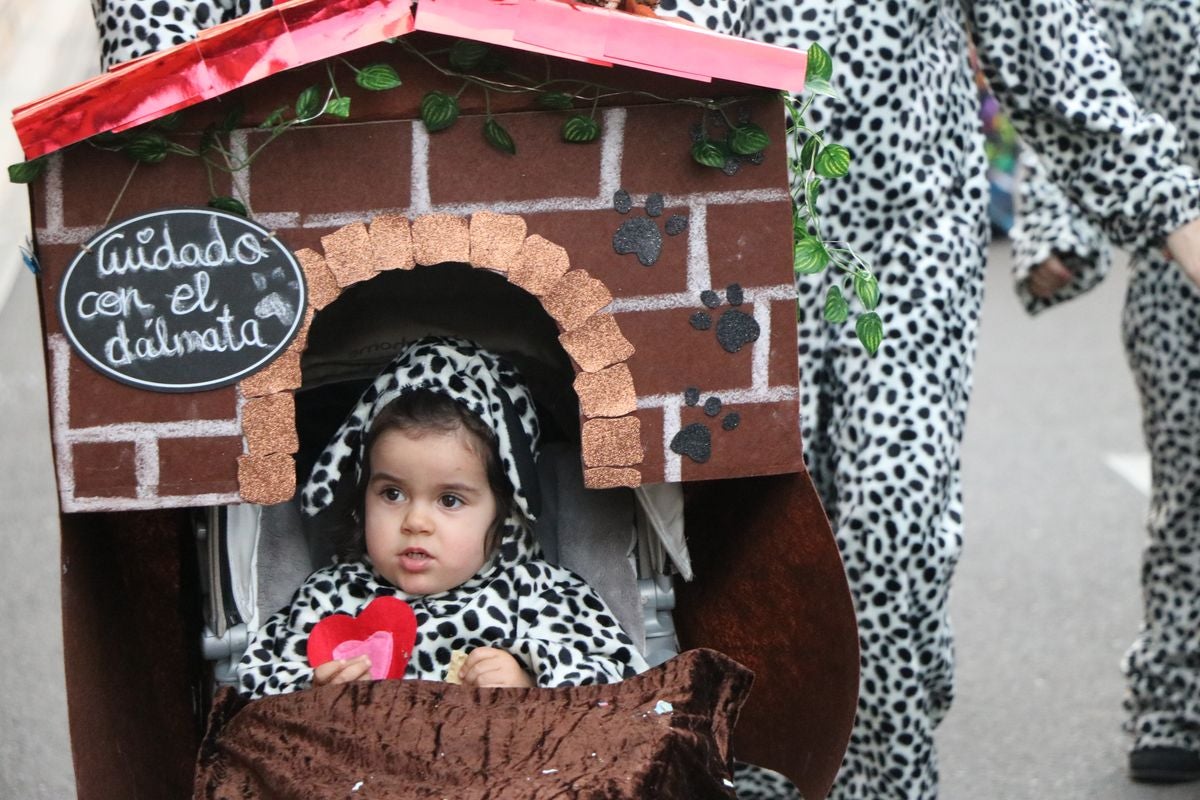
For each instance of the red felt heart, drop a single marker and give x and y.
(390, 615)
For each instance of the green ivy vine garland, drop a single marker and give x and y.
(812, 159)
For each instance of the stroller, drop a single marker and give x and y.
(199, 360)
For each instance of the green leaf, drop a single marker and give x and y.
(833, 162)
(109, 140)
(274, 118)
(580, 129)
(870, 331)
(168, 123)
(466, 54)
(748, 139)
(378, 78)
(836, 307)
(819, 86)
(232, 119)
(867, 288)
(499, 138)
(558, 101)
(230, 204)
(809, 256)
(812, 192)
(208, 139)
(26, 171)
(492, 62)
(808, 153)
(799, 224)
(438, 111)
(308, 104)
(820, 64)
(148, 148)
(709, 154)
(338, 107)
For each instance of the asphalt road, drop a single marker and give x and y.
(44, 46)
(1046, 597)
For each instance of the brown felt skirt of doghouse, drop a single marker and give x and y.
(423, 739)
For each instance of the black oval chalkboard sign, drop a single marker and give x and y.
(182, 300)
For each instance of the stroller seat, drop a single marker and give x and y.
(625, 543)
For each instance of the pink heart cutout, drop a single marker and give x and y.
(389, 615)
(377, 647)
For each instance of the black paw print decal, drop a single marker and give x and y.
(735, 328)
(640, 235)
(695, 440)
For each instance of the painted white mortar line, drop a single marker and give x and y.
(691, 299)
(146, 466)
(60, 388)
(239, 149)
(135, 431)
(275, 220)
(612, 154)
(780, 291)
(699, 272)
(760, 368)
(74, 235)
(55, 221)
(773, 394)
(672, 468)
(138, 504)
(419, 197)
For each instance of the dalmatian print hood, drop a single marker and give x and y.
(485, 384)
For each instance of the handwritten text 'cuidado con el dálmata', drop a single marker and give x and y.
(174, 287)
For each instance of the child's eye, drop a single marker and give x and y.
(450, 501)
(392, 494)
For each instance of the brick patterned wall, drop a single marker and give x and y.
(343, 198)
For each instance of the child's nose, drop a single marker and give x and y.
(419, 519)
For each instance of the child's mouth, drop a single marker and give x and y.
(415, 560)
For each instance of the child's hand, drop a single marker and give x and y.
(1048, 277)
(343, 671)
(487, 666)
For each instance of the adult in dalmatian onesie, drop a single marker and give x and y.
(558, 629)
(1058, 255)
(882, 435)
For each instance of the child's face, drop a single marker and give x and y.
(428, 509)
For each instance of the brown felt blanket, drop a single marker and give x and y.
(423, 739)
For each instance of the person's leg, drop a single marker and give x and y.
(1162, 328)
(882, 436)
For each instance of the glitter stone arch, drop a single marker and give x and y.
(611, 433)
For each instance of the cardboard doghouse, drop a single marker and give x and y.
(179, 340)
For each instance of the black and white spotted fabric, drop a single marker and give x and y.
(882, 435)
(480, 381)
(132, 28)
(544, 615)
(1156, 41)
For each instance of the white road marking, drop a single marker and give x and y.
(1133, 467)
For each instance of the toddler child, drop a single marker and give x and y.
(441, 448)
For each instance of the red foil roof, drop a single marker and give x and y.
(298, 32)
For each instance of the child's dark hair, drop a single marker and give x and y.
(426, 411)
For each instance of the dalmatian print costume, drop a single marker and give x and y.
(132, 28)
(883, 434)
(1155, 42)
(544, 615)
